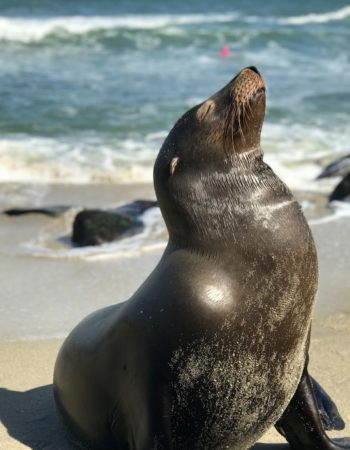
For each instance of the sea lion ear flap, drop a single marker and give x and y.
(173, 163)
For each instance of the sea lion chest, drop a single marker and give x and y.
(244, 327)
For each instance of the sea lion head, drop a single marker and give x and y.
(208, 142)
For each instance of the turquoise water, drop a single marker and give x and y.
(88, 90)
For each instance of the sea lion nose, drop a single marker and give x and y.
(254, 69)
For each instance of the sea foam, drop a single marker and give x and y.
(28, 159)
(339, 14)
(27, 30)
(50, 243)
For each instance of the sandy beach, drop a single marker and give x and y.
(29, 419)
(43, 297)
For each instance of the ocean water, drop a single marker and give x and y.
(89, 90)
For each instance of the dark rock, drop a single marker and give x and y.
(338, 168)
(94, 227)
(341, 192)
(52, 211)
(136, 208)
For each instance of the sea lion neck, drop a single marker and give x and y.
(207, 211)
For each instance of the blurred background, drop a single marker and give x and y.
(89, 89)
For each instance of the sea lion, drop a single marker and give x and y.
(212, 349)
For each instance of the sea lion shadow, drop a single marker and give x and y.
(31, 418)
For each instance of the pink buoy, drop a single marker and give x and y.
(225, 52)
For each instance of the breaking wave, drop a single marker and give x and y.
(28, 30)
(340, 14)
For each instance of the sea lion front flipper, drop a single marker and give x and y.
(330, 416)
(301, 424)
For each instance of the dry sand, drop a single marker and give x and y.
(28, 412)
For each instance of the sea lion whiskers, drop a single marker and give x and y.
(238, 117)
(233, 125)
(228, 129)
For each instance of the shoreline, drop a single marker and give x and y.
(60, 285)
(89, 195)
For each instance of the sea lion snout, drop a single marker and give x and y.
(248, 85)
(237, 97)
(253, 72)
(254, 69)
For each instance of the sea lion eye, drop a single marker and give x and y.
(173, 164)
(205, 109)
